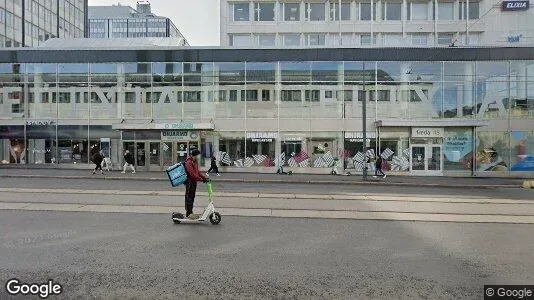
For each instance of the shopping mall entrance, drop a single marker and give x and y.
(158, 155)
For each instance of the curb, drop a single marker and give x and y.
(278, 181)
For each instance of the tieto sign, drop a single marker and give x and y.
(515, 5)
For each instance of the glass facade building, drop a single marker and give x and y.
(437, 111)
(28, 23)
(106, 22)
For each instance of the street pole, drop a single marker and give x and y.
(364, 125)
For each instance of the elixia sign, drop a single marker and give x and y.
(514, 5)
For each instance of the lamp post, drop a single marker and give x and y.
(364, 125)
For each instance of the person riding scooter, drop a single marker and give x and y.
(193, 176)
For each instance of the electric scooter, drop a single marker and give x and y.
(209, 212)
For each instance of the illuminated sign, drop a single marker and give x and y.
(514, 5)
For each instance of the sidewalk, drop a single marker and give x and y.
(414, 181)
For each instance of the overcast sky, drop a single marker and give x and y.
(198, 20)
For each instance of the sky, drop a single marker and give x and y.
(198, 20)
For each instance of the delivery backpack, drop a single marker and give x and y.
(177, 174)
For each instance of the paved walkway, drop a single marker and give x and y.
(452, 182)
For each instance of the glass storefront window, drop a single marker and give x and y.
(458, 149)
(491, 89)
(73, 144)
(492, 152)
(231, 149)
(41, 142)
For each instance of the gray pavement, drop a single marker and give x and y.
(145, 256)
(135, 184)
(451, 182)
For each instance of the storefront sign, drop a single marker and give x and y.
(430, 132)
(185, 126)
(39, 122)
(176, 135)
(262, 136)
(515, 5)
(358, 136)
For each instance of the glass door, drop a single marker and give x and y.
(140, 155)
(154, 156)
(166, 154)
(182, 149)
(418, 158)
(426, 160)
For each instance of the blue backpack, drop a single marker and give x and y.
(177, 174)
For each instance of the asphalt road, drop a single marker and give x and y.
(147, 256)
(140, 185)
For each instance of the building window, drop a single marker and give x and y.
(345, 11)
(365, 39)
(366, 11)
(240, 40)
(362, 95)
(251, 95)
(346, 39)
(291, 11)
(445, 11)
(263, 11)
(314, 39)
(383, 95)
(312, 95)
(419, 39)
(241, 11)
(417, 11)
(233, 96)
(393, 39)
(291, 96)
(391, 11)
(291, 39)
(445, 38)
(315, 11)
(267, 40)
(473, 10)
(265, 95)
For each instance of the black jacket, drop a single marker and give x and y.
(98, 158)
(213, 161)
(128, 157)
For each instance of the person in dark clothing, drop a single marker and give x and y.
(213, 166)
(97, 160)
(193, 176)
(128, 161)
(378, 168)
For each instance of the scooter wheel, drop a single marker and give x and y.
(176, 221)
(215, 218)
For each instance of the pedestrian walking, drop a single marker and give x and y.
(97, 160)
(128, 162)
(193, 176)
(213, 166)
(378, 168)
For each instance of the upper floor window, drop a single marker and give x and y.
(391, 11)
(291, 39)
(473, 10)
(240, 40)
(367, 11)
(445, 38)
(263, 11)
(241, 11)
(314, 39)
(445, 11)
(290, 11)
(267, 40)
(315, 11)
(335, 12)
(417, 11)
(419, 39)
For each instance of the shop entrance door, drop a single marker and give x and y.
(426, 160)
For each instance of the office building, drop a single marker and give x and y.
(430, 111)
(28, 23)
(375, 23)
(120, 21)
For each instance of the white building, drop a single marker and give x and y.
(335, 23)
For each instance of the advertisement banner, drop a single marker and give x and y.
(515, 5)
